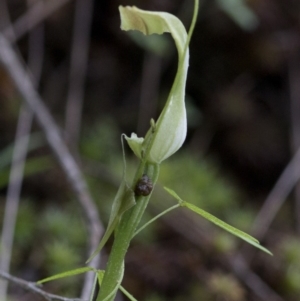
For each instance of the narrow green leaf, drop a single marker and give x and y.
(100, 275)
(218, 222)
(127, 294)
(251, 240)
(248, 238)
(174, 194)
(124, 200)
(67, 274)
(155, 218)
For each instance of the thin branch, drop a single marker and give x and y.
(23, 83)
(36, 53)
(79, 61)
(39, 11)
(252, 280)
(13, 192)
(19, 157)
(32, 287)
(291, 174)
(4, 14)
(277, 197)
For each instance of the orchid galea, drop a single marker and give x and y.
(167, 135)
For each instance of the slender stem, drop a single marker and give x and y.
(124, 234)
(155, 218)
(13, 193)
(194, 20)
(127, 294)
(36, 14)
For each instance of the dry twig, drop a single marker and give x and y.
(79, 62)
(13, 192)
(277, 196)
(15, 68)
(32, 287)
(19, 157)
(39, 11)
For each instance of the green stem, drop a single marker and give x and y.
(156, 217)
(127, 294)
(124, 233)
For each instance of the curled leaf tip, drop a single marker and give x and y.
(130, 20)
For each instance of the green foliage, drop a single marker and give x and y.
(26, 224)
(33, 165)
(64, 246)
(64, 224)
(70, 273)
(61, 256)
(289, 250)
(36, 141)
(51, 240)
(123, 201)
(292, 280)
(105, 149)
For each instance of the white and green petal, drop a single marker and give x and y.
(171, 126)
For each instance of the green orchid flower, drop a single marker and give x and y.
(168, 134)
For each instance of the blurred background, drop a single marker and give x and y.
(243, 104)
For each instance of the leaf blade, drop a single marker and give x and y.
(67, 274)
(244, 236)
(124, 200)
(234, 231)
